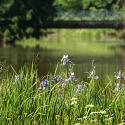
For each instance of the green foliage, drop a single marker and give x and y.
(85, 4)
(19, 15)
(7, 36)
(29, 31)
(101, 3)
(121, 32)
(5, 5)
(29, 15)
(67, 4)
(115, 7)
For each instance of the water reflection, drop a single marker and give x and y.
(46, 61)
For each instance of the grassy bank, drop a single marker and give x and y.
(61, 98)
(88, 42)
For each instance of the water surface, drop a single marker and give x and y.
(46, 60)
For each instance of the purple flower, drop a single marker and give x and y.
(65, 60)
(57, 79)
(72, 77)
(44, 84)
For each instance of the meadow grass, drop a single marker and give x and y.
(61, 98)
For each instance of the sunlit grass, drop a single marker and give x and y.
(85, 42)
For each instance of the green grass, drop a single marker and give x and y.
(21, 102)
(76, 42)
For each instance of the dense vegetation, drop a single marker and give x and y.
(86, 4)
(24, 18)
(61, 98)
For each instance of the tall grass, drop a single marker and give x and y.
(63, 100)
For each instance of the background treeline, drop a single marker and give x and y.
(86, 4)
(23, 18)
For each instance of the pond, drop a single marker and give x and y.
(46, 60)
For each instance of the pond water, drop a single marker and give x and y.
(47, 60)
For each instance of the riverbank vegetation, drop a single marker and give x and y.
(62, 97)
(66, 95)
(85, 4)
(19, 19)
(76, 42)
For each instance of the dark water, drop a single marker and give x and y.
(46, 61)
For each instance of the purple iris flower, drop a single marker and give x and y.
(44, 84)
(57, 79)
(65, 60)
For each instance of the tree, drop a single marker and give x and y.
(23, 15)
(86, 4)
